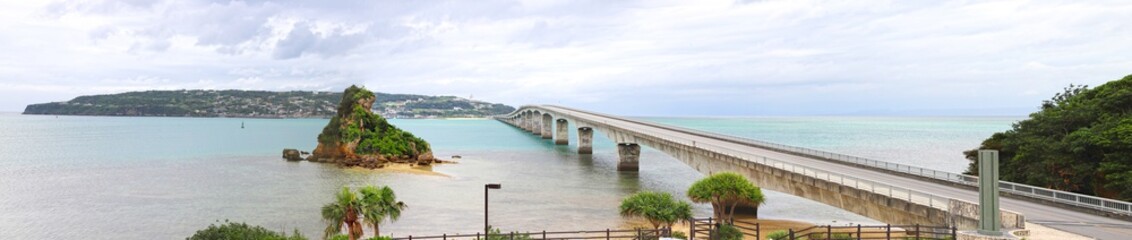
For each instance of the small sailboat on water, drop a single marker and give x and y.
(241, 125)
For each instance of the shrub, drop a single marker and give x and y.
(777, 235)
(230, 230)
(496, 234)
(679, 235)
(841, 236)
(727, 232)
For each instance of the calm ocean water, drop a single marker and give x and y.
(163, 178)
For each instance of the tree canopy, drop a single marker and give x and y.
(372, 205)
(725, 191)
(1080, 141)
(231, 230)
(660, 209)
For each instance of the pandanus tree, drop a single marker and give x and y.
(379, 204)
(660, 209)
(725, 191)
(343, 213)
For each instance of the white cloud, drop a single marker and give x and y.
(630, 57)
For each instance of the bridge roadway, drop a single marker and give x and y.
(1090, 225)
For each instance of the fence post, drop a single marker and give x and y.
(829, 231)
(758, 231)
(639, 237)
(444, 236)
(917, 231)
(858, 231)
(478, 236)
(544, 234)
(888, 231)
(791, 234)
(953, 235)
(606, 234)
(410, 237)
(692, 229)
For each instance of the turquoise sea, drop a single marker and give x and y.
(72, 177)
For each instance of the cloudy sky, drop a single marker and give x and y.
(652, 57)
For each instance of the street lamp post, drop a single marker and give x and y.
(487, 228)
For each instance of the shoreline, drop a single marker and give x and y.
(405, 168)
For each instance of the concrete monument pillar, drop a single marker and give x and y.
(630, 154)
(990, 220)
(563, 136)
(585, 140)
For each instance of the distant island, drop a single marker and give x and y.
(262, 104)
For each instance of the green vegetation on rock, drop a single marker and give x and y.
(1080, 141)
(366, 132)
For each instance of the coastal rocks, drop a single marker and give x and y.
(357, 137)
(292, 154)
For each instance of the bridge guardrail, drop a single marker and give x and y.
(1076, 199)
(1037, 193)
(913, 196)
(1059, 196)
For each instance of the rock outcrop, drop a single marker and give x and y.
(292, 154)
(356, 136)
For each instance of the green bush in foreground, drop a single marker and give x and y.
(727, 232)
(777, 235)
(496, 234)
(660, 209)
(679, 235)
(241, 231)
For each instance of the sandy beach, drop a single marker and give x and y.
(406, 168)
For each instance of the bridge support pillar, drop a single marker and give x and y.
(562, 137)
(585, 140)
(547, 126)
(630, 155)
(524, 122)
(536, 125)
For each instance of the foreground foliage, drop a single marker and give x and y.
(660, 209)
(727, 232)
(1080, 141)
(371, 205)
(725, 191)
(497, 234)
(241, 231)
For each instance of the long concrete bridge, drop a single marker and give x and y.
(889, 193)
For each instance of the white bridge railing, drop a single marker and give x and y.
(1063, 197)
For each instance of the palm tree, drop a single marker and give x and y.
(343, 212)
(724, 191)
(660, 209)
(378, 204)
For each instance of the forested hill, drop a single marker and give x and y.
(261, 104)
(1080, 141)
